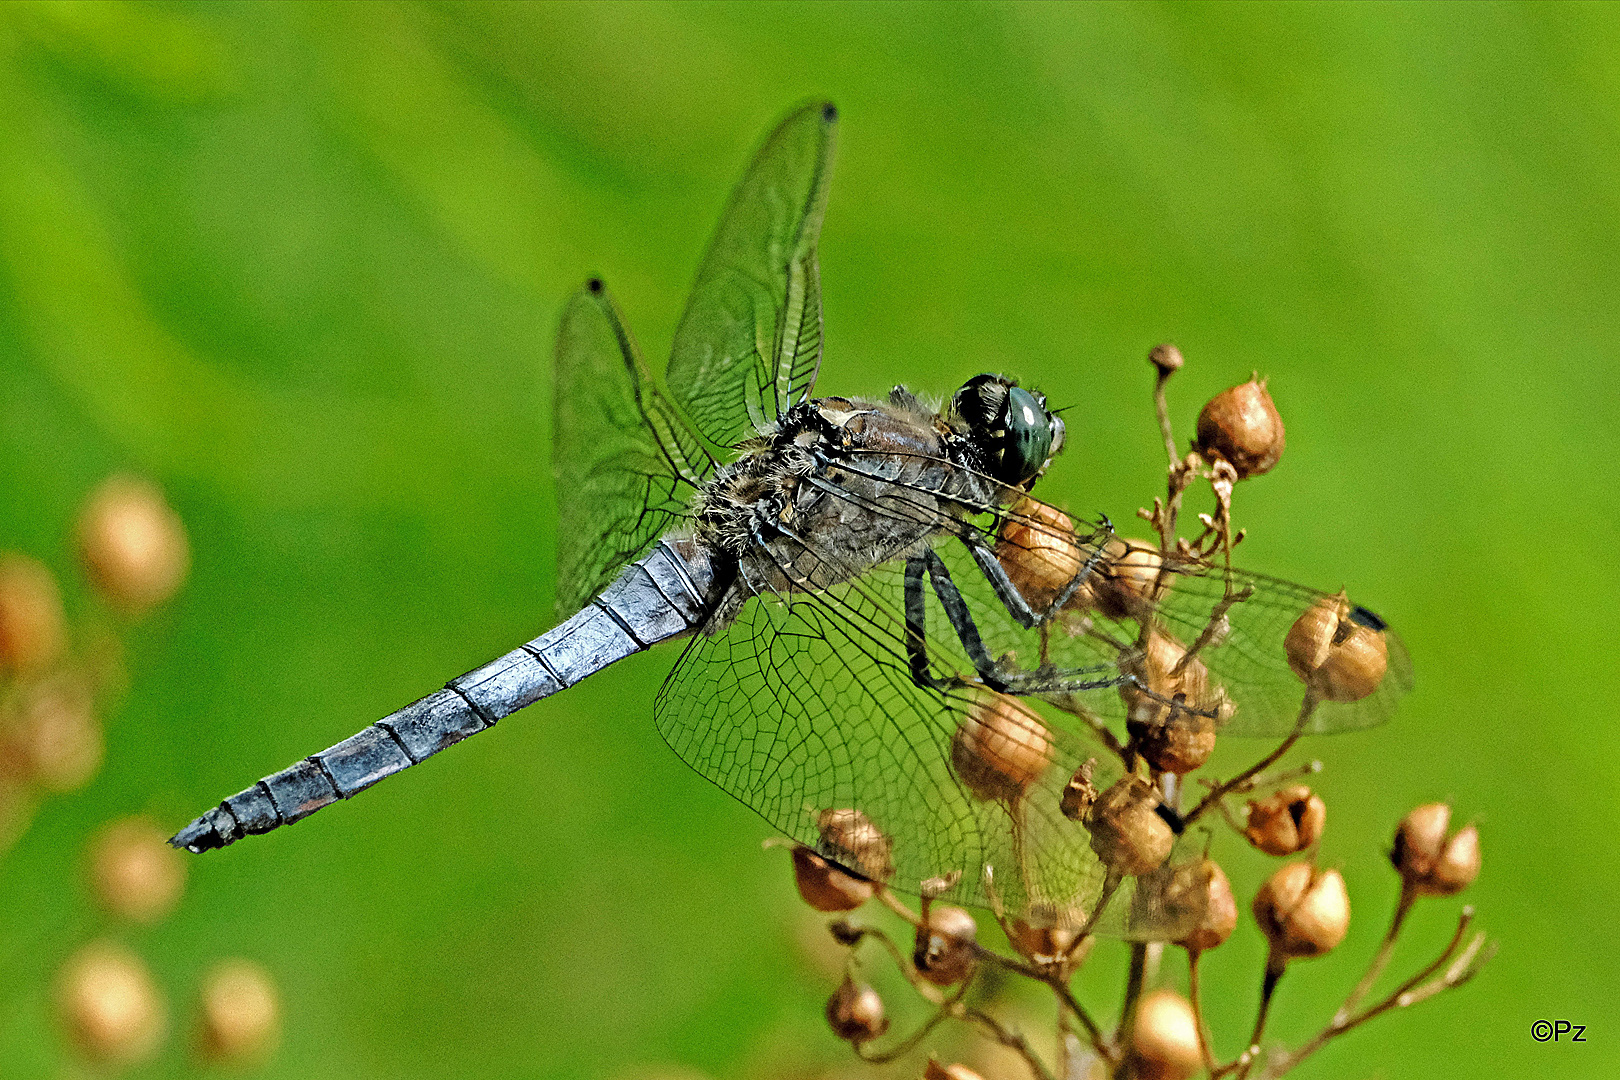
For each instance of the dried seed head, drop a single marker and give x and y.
(1458, 865)
(1287, 821)
(51, 737)
(133, 544)
(1220, 913)
(1000, 748)
(1338, 650)
(1127, 832)
(134, 873)
(1303, 911)
(1041, 935)
(31, 619)
(849, 838)
(109, 1005)
(1038, 550)
(945, 949)
(1079, 793)
(1242, 427)
(1171, 711)
(1164, 1038)
(1430, 862)
(1166, 358)
(241, 1013)
(1127, 580)
(954, 1071)
(824, 886)
(855, 1012)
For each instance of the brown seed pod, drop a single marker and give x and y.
(1171, 712)
(1458, 866)
(1242, 427)
(1430, 862)
(855, 1012)
(52, 738)
(31, 620)
(850, 839)
(133, 544)
(1000, 748)
(134, 873)
(1041, 936)
(1338, 650)
(1166, 358)
(241, 1013)
(1303, 911)
(1127, 832)
(107, 1002)
(1220, 913)
(1038, 550)
(1127, 579)
(1287, 821)
(954, 1071)
(1164, 1038)
(945, 950)
(1079, 793)
(824, 886)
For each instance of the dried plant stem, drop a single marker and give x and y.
(1410, 992)
(1110, 887)
(1220, 791)
(951, 1006)
(1204, 1047)
(1275, 966)
(1105, 1049)
(1012, 1040)
(1381, 959)
(1134, 979)
(1162, 407)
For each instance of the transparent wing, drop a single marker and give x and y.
(805, 707)
(1139, 615)
(626, 463)
(749, 344)
(1223, 639)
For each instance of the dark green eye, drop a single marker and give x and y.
(1028, 442)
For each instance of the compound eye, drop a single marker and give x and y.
(1031, 433)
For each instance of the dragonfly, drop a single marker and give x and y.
(869, 661)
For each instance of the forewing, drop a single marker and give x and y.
(805, 704)
(749, 343)
(625, 462)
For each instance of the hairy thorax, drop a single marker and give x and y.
(837, 487)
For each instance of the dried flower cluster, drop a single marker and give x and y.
(1002, 751)
(55, 681)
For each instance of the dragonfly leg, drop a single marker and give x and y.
(995, 674)
(916, 640)
(1006, 591)
(1013, 598)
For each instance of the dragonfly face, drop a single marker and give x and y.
(894, 655)
(1017, 435)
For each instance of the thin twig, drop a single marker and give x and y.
(1408, 993)
(1204, 1047)
(1012, 1040)
(1220, 791)
(1106, 1050)
(1133, 988)
(1380, 959)
(951, 1006)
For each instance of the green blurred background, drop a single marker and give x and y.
(303, 264)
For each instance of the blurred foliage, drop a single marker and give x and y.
(301, 264)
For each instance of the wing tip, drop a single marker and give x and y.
(829, 112)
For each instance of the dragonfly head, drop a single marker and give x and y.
(1011, 426)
